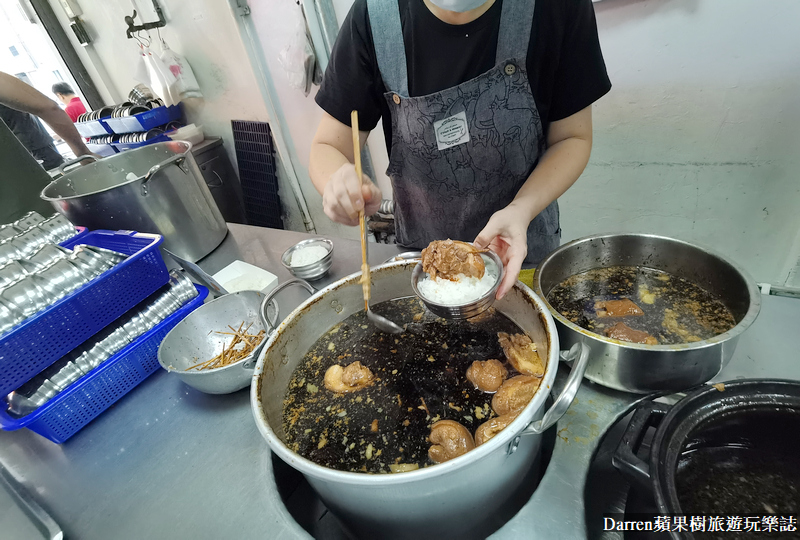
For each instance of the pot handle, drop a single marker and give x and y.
(564, 400)
(271, 325)
(625, 459)
(405, 256)
(177, 159)
(75, 161)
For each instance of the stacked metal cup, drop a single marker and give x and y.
(44, 276)
(25, 236)
(102, 347)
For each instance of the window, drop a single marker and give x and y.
(24, 78)
(14, 51)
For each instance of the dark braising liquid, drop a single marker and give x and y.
(746, 464)
(420, 379)
(675, 310)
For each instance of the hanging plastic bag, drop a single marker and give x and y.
(298, 59)
(162, 81)
(140, 73)
(185, 82)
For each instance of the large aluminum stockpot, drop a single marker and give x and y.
(639, 368)
(155, 189)
(455, 499)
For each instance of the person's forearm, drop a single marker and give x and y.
(559, 168)
(331, 149)
(23, 97)
(323, 162)
(58, 120)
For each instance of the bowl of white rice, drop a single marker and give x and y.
(461, 299)
(310, 259)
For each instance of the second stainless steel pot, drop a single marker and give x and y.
(639, 368)
(154, 189)
(455, 499)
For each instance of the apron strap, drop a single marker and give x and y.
(387, 39)
(516, 20)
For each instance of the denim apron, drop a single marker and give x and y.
(461, 154)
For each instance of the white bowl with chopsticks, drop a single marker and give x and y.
(204, 350)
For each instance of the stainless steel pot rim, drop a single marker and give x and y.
(47, 198)
(741, 326)
(505, 437)
(404, 256)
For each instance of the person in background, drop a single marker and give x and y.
(21, 179)
(73, 105)
(31, 133)
(486, 109)
(23, 98)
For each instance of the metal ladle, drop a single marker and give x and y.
(382, 323)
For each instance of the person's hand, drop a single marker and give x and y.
(97, 157)
(506, 235)
(345, 195)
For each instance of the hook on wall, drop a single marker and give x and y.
(134, 29)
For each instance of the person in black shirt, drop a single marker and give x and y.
(486, 108)
(22, 179)
(19, 102)
(31, 133)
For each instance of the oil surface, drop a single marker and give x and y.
(420, 379)
(675, 310)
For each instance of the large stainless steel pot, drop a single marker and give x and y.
(454, 499)
(639, 368)
(154, 189)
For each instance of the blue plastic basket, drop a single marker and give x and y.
(93, 128)
(84, 400)
(50, 334)
(144, 121)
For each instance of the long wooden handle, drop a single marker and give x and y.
(361, 218)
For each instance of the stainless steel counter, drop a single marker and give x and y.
(167, 461)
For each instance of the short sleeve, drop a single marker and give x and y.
(352, 80)
(581, 77)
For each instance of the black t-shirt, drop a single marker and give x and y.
(28, 129)
(565, 64)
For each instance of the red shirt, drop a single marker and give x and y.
(75, 108)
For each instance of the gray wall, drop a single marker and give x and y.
(699, 138)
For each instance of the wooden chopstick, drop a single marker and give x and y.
(230, 353)
(361, 218)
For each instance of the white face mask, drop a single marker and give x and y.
(459, 6)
